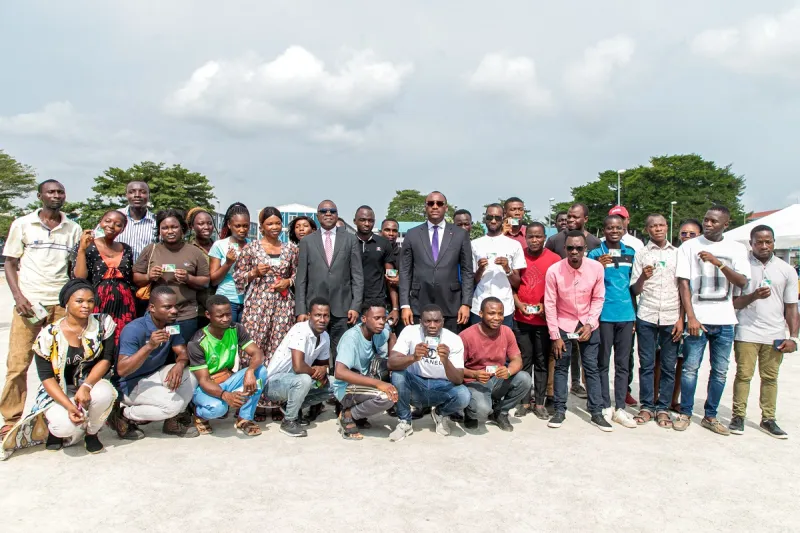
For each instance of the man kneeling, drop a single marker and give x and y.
(151, 389)
(298, 371)
(427, 365)
(213, 352)
(495, 388)
(361, 395)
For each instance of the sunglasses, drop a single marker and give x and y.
(437, 203)
(575, 248)
(688, 234)
(328, 211)
(489, 218)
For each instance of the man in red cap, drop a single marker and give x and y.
(627, 238)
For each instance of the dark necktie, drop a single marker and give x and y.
(435, 244)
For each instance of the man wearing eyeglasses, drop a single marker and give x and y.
(434, 253)
(497, 260)
(329, 267)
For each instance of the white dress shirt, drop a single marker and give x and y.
(441, 232)
(333, 237)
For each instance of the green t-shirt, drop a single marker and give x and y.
(207, 351)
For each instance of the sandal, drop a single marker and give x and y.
(5, 430)
(349, 428)
(261, 415)
(277, 414)
(643, 417)
(248, 427)
(202, 425)
(664, 420)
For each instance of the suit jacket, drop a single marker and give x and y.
(423, 281)
(342, 284)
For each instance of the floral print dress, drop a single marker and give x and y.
(267, 316)
(113, 284)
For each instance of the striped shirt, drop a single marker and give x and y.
(659, 302)
(44, 255)
(138, 233)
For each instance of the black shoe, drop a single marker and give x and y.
(53, 443)
(549, 405)
(557, 420)
(186, 419)
(522, 410)
(491, 418)
(392, 412)
(458, 417)
(292, 428)
(302, 420)
(737, 425)
(173, 426)
(470, 423)
(541, 412)
(416, 414)
(770, 427)
(579, 390)
(362, 423)
(314, 411)
(126, 429)
(92, 443)
(602, 424)
(502, 422)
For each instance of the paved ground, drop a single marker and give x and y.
(534, 479)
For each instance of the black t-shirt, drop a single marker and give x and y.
(375, 253)
(396, 251)
(74, 357)
(556, 243)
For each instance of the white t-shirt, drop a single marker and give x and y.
(430, 366)
(494, 281)
(301, 338)
(712, 293)
(763, 322)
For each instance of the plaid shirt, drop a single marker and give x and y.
(659, 302)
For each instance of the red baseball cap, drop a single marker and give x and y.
(619, 210)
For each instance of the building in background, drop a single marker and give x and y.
(761, 214)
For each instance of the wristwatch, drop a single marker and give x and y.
(796, 341)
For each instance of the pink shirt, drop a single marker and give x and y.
(573, 295)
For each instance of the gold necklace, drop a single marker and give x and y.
(80, 335)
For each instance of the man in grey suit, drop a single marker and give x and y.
(329, 266)
(436, 267)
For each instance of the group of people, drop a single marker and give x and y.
(148, 318)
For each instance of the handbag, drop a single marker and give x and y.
(143, 293)
(221, 377)
(378, 366)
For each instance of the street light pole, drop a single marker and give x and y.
(671, 209)
(550, 213)
(619, 186)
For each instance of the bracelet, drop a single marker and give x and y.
(85, 384)
(221, 394)
(722, 267)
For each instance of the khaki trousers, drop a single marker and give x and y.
(769, 363)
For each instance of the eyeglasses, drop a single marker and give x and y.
(437, 203)
(489, 218)
(688, 234)
(575, 248)
(327, 211)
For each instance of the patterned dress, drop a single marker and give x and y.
(267, 316)
(113, 285)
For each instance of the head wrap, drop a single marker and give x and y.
(70, 288)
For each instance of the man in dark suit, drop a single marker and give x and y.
(329, 266)
(434, 253)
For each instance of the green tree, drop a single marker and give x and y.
(694, 183)
(173, 186)
(408, 205)
(477, 231)
(17, 181)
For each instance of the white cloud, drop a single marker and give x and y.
(761, 45)
(592, 77)
(512, 78)
(56, 120)
(294, 91)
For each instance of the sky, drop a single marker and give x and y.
(297, 101)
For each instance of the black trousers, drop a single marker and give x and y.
(619, 336)
(336, 328)
(534, 343)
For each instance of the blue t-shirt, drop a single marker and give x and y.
(227, 287)
(355, 352)
(133, 337)
(618, 306)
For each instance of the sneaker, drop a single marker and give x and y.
(522, 410)
(541, 412)
(502, 422)
(681, 423)
(53, 443)
(314, 411)
(92, 443)
(173, 426)
(601, 423)
(579, 390)
(557, 420)
(737, 425)
(630, 400)
(125, 428)
(303, 420)
(770, 427)
(716, 426)
(292, 428)
(403, 430)
(392, 412)
(608, 414)
(442, 423)
(622, 418)
(457, 417)
(470, 423)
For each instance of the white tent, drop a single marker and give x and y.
(785, 223)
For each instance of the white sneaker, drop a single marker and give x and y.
(608, 414)
(442, 423)
(402, 430)
(622, 418)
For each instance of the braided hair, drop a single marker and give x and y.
(236, 208)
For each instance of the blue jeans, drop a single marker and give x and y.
(720, 342)
(651, 337)
(590, 360)
(448, 398)
(236, 312)
(209, 407)
(297, 391)
(507, 320)
(497, 395)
